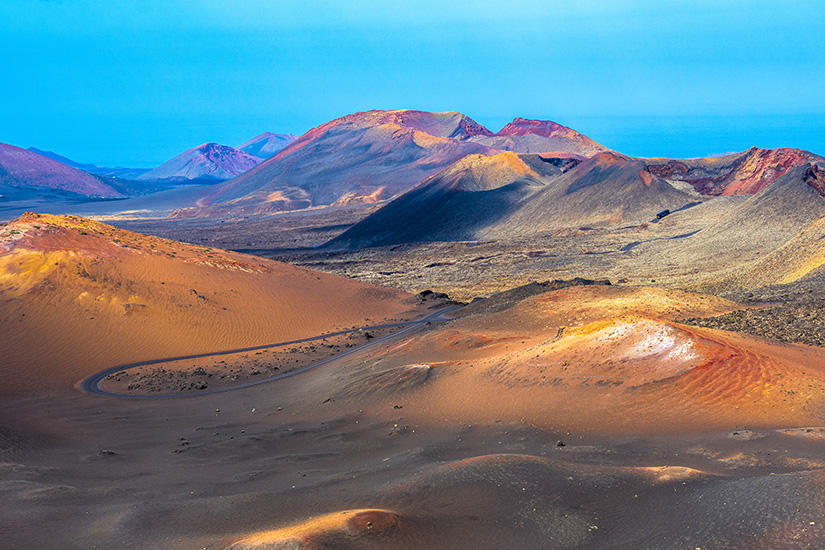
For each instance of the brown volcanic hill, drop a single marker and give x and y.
(742, 173)
(456, 203)
(22, 168)
(607, 189)
(509, 195)
(540, 136)
(80, 296)
(360, 158)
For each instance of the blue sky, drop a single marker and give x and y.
(137, 82)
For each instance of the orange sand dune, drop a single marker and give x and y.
(79, 296)
(602, 359)
(347, 529)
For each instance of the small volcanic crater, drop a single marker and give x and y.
(629, 351)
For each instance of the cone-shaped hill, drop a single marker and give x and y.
(80, 296)
(605, 190)
(210, 162)
(456, 203)
(509, 195)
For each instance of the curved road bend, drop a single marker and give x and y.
(92, 383)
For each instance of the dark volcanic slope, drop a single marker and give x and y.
(454, 204)
(743, 173)
(602, 191)
(27, 169)
(802, 256)
(509, 195)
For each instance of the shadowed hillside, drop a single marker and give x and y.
(510, 196)
(456, 203)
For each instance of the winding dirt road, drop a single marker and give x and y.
(92, 383)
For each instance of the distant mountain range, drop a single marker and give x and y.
(450, 177)
(36, 173)
(116, 172)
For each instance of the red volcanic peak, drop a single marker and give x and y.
(763, 166)
(540, 136)
(525, 126)
(745, 173)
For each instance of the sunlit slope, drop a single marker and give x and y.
(601, 359)
(79, 296)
